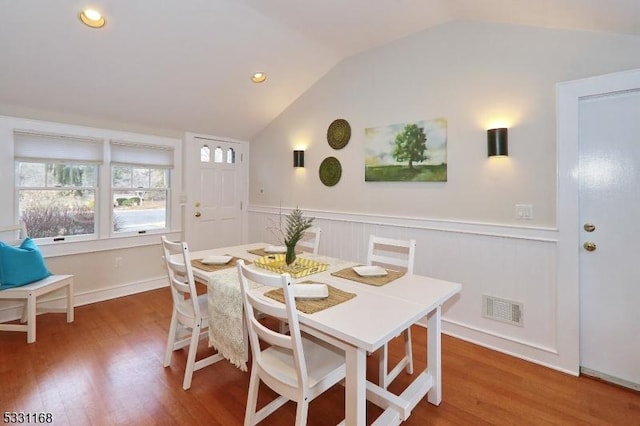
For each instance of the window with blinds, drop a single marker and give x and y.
(57, 183)
(140, 186)
(58, 189)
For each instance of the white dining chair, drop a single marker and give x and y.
(393, 253)
(296, 366)
(310, 241)
(190, 317)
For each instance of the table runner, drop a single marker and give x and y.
(377, 281)
(226, 329)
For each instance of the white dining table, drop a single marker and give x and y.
(365, 323)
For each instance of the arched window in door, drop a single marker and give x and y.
(205, 154)
(231, 156)
(217, 155)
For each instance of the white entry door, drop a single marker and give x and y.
(216, 192)
(609, 158)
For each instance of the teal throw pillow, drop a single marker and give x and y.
(21, 265)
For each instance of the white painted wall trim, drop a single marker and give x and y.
(512, 262)
(116, 243)
(464, 227)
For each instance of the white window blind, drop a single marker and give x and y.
(53, 147)
(132, 154)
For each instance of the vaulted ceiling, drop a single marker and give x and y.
(185, 65)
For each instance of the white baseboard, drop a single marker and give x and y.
(537, 354)
(13, 310)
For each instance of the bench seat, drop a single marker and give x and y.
(29, 293)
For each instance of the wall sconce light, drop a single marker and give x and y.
(298, 158)
(497, 142)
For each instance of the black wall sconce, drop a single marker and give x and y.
(497, 142)
(298, 158)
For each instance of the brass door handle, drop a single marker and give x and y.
(198, 214)
(589, 246)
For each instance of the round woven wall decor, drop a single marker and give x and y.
(330, 171)
(339, 133)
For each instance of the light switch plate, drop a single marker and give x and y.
(524, 212)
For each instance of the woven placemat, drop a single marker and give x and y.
(310, 306)
(350, 274)
(197, 263)
(260, 252)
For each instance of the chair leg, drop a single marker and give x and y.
(31, 318)
(301, 412)
(408, 350)
(171, 339)
(70, 303)
(191, 357)
(252, 399)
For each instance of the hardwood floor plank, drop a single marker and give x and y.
(106, 369)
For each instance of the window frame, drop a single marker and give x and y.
(167, 190)
(95, 188)
(104, 238)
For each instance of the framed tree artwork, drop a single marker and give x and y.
(407, 152)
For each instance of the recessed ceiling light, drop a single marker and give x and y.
(258, 77)
(92, 18)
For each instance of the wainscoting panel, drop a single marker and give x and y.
(505, 262)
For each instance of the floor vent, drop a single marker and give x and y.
(502, 310)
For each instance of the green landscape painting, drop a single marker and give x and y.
(407, 152)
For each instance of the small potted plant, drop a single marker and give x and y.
(296, 225)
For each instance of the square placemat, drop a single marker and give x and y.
(197, 263)
(350, 274)
(310, 306)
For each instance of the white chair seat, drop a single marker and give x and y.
(185, 307)
(322, 360)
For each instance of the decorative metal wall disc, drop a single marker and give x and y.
(330, 171)
(339, 133)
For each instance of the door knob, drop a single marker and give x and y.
(589, 246)
(198, 214)
(589, 227)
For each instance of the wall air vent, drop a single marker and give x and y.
(502, 310)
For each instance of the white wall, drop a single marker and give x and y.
(472, 74)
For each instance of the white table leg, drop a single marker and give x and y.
(355, 387)
(434, 355)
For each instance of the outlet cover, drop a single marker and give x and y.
(524, 211)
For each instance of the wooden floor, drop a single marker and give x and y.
(106, 369)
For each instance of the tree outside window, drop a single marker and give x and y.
(56, 199)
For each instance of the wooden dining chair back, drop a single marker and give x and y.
(190, 316)
(400, 255)
(310, 241)
(394, 253)
(296, 366)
